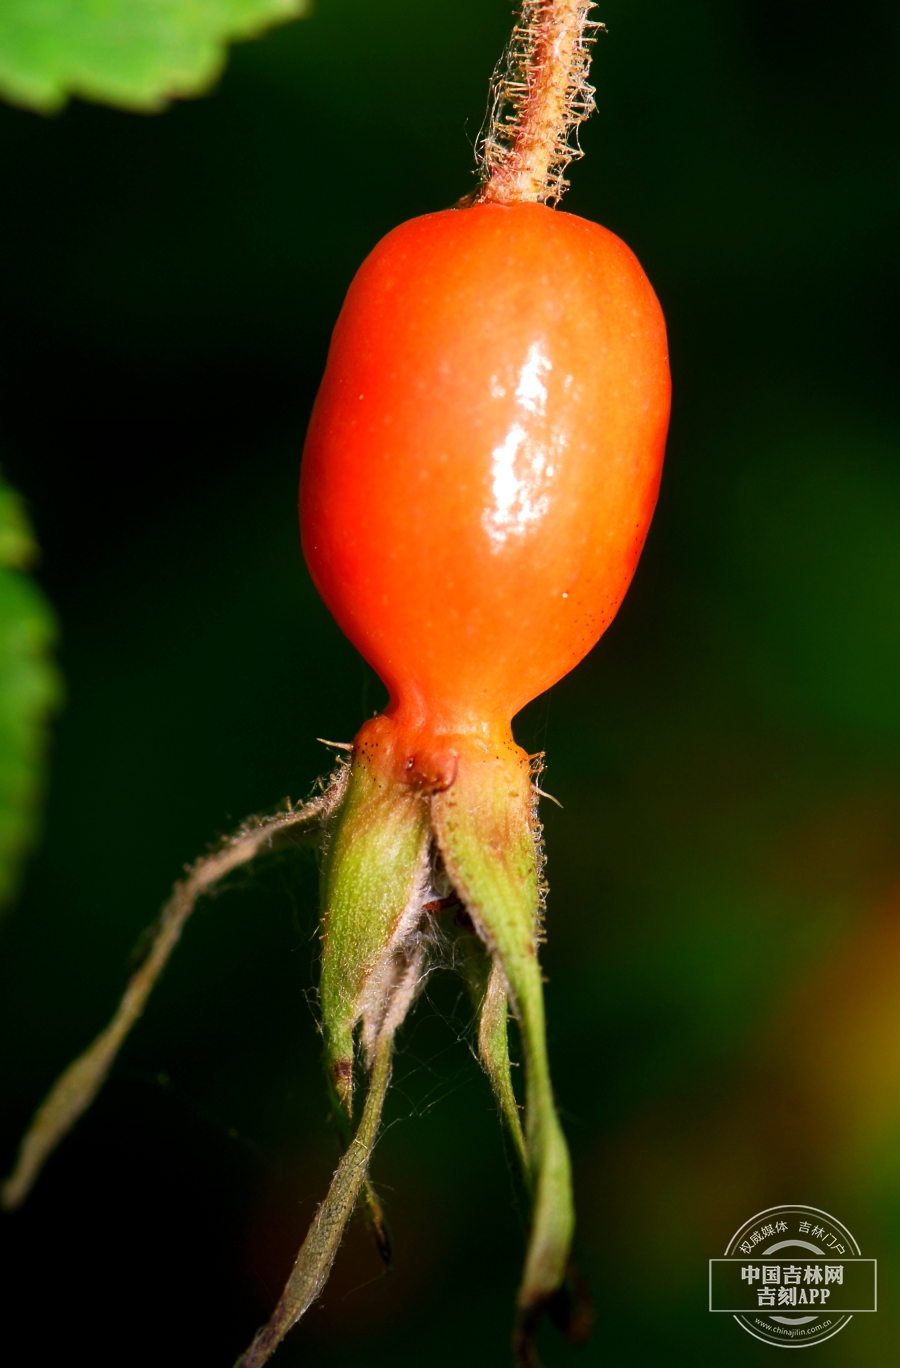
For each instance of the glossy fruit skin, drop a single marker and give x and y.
(484, 456)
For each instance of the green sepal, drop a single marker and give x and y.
(317, 1253)
(486, 832)
(487, 988)
(373, 883)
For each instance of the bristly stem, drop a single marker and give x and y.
(540, 97)
(75, 1089)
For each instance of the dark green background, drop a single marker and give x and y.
(724, 943)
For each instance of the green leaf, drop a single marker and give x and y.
(29, 690)
(137, 54)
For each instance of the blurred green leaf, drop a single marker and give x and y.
(29, 689)
(138, 54)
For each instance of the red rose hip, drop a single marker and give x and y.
(484, 456)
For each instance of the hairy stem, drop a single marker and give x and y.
(317, 1253)
(76, 1088)
(540, 96)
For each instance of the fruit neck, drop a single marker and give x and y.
(418, 752)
